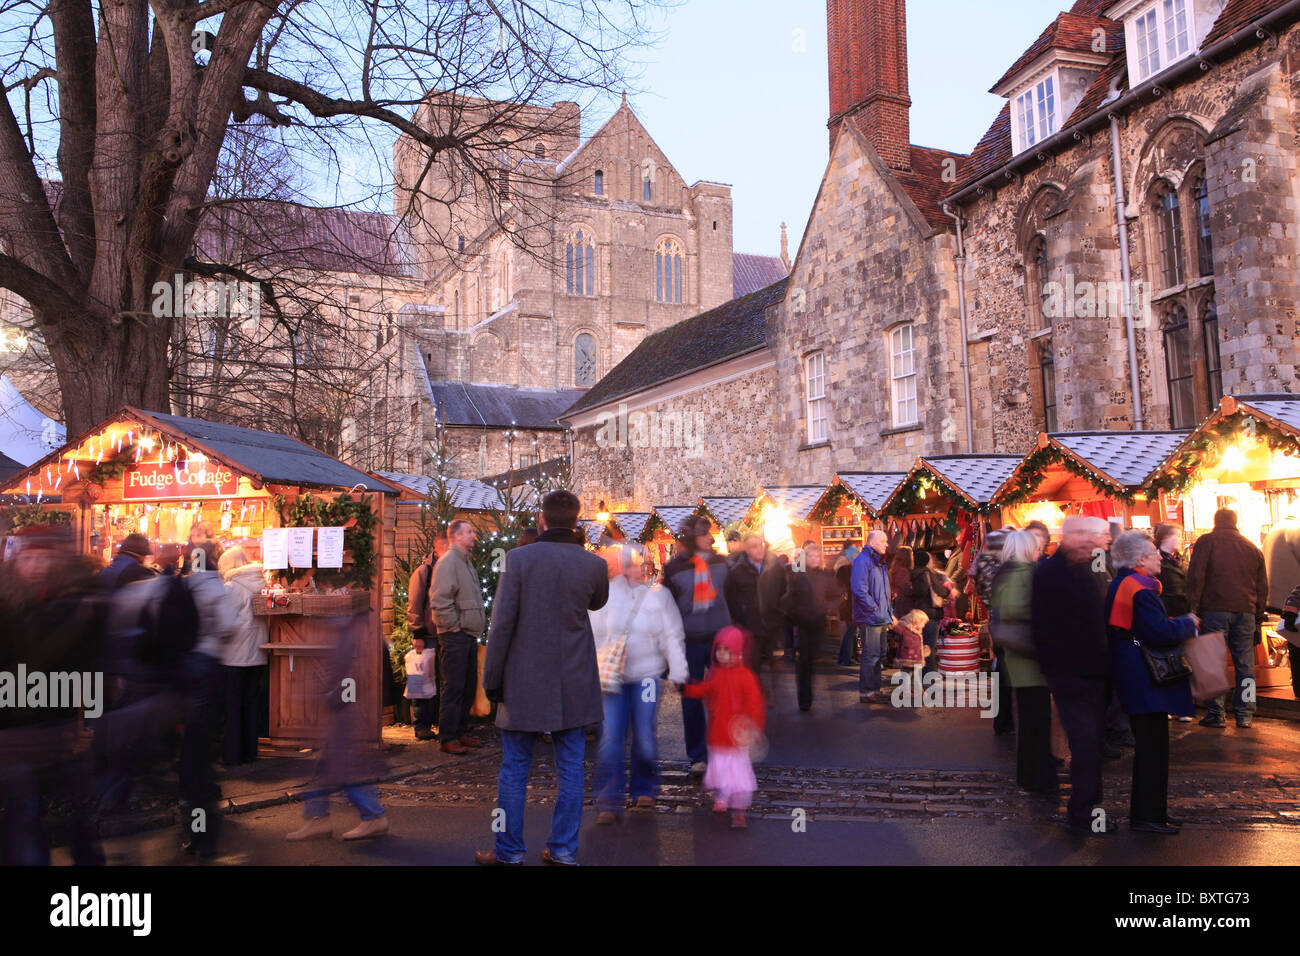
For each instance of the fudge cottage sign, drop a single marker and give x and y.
(154, 482)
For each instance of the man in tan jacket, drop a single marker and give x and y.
(456, 598)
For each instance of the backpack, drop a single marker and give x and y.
(169, 625)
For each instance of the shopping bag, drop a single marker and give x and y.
(610, 660)
(481, 707)
(1207, 655)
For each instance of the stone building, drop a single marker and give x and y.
(1145, 163)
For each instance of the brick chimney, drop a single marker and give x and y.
(867, 50)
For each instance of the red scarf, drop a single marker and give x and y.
(1121, 611)
(705, 593)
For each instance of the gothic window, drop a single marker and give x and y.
(1213, 361)
(902, 369)
(815, 387)
(460, 243)
(584, 361)
(647, 190)
(668, 271)
(1169, 233)
(503, 281)
(1204, 243)
(598, 185)
(503, 184)
(1047, 374)
(1038, 273)
(580, 264)
(539, 150)
(1178, 369)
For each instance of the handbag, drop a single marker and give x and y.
(1165, 665)
(1207, 656)
(611, 658)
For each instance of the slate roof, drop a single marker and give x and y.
(976, 476)
(797, 500)
(750, 273)
(465, 495)
(872, 488)
(732, 329)
(727, 510)
(673, 515)
(594, 530)
(498, 406)
(522, 476)
(1072, 32)
(1128, 457)
(994, 149)
(8, 466)
(631, 523)
(1283, 408)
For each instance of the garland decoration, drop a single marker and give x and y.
(1033, 471)
(357, 519)
(910, 494)
(1205, 450)
(831, 502)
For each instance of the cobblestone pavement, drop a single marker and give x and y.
(1257, 802)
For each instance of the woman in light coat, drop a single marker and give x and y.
(244, 659)
(655, 645)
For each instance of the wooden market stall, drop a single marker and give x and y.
(167, 477)
(659, 535)
(850, 508)
(1096, 474)
(473, 501)
(783, 514)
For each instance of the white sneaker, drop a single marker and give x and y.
(312, 830)
(374, 827)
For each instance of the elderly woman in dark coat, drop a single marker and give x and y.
(1136, 616)
(1173, 569)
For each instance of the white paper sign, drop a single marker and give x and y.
(275, 549)
(329, 547)
(300, 540)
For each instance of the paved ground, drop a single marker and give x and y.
(846, 783)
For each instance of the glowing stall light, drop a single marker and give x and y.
(1234, 458)
(776, 525)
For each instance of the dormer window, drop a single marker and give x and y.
(1159, 35)
(1036, 117)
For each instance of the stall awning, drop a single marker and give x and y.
(725, 511)
(262, 457)
(871, 488)
(797, 501)
(1275, 417)
(1115, 463)
(673, 515)
(631, 523)
(465, 495)
(973, 479)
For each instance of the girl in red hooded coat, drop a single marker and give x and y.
(733, 699)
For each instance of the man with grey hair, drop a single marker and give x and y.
(1069, 631)
(456, 597)
(873, 610)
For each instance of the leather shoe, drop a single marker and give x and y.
(606, 817)
(454, 747)
(1164, 829)
(1213, 720)
(470, 741)
(375, 826)
(551, 859)
(645, 803)
(489, 858)
(1173, 821)
(312, 830)
(1243, 723)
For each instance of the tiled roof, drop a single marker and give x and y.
(872, 488)
(727, 510)
(465, 495)
(673, 515)
(520, 476)
(8, 466)
(1069, 31)
(499, 406)
(1128, 457)
(1285, 409)
(926, 183)
(594, 530)
(797, 500)
(976, 476)
(750, 273)
(631, 523)
(994, 148)
(730, 330)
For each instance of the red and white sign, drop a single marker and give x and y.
(154, 482)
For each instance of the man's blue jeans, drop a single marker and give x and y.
(365, 799)
(849, 643)
(636, 705)
(512, 787)
(875, 648)
(1239, 633)
(694, 721)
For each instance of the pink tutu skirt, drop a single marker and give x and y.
(730, 776)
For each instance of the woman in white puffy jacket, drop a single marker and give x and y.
(655, 646)
(243, 657)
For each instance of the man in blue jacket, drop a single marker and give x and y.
(873, 612)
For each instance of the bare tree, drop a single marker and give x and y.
(132, 103)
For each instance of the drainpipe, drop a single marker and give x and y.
(960, 260)
(1121, 217)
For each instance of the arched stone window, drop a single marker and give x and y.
(1047, 377)
(580, 263)
(584, 361)
(1178, 369)
(1213, 361)
(1201, 213)
(668, 271)
(598, 183)
(1167, 220)
(1037, 269)
(503, 281)
(539, 150)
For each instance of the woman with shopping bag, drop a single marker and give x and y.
(639, 637)
(1150, 671)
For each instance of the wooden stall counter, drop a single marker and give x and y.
(306, 630)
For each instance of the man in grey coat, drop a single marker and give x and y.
(541, 669)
